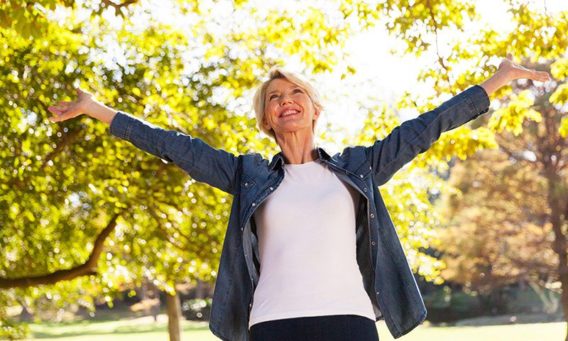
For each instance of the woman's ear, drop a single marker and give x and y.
(265, 124)
(317, 113)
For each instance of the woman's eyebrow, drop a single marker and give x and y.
(291, 88)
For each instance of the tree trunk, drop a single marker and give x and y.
(200, 289)
(174, 312)
(556, 198)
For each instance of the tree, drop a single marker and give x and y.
(503, 238)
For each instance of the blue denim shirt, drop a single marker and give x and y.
(388, 279)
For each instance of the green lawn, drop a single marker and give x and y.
(140, 329)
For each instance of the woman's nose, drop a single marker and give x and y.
(285, 100)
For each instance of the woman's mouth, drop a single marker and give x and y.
(289, 112)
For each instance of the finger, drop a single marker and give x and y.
(54, 119)
(56, 110)
(53, 109)
(542, 76)
(60, 117)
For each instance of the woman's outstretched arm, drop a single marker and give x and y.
(415, 136)
(202, 162)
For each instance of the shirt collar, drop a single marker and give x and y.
(278, 159)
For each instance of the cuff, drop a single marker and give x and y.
(479, 99)
(121, 125)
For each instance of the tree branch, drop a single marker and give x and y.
(446, 75)
(67, 139)
(86, 269)
(118, 7)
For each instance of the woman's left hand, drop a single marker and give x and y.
(509, 71)
(516, 71)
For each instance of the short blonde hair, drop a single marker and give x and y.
(279, 73)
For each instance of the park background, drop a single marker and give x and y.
(99, 239)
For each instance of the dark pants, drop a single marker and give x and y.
(316, 328)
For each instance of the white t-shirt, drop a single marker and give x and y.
(307, 248)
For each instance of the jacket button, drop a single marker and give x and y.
(246, 184)
(253, 204)
(373, 243)
(372, 215)
(377, 292)
(370, 167)
(361, 175)
(271, 188)
(365, 189)
(242, 229)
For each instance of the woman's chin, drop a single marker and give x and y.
(293, 127)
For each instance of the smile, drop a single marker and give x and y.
(289, 112)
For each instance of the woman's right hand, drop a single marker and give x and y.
(65, 110)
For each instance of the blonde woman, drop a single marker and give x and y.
(310, 251)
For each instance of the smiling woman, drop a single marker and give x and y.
(310, 252)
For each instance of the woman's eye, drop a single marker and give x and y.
(272, 97)
(297, 90)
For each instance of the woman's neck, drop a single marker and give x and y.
(297, 148)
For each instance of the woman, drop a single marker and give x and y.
(310, 252)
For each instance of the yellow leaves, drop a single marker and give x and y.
(407, 199)
(563, 127)
(208, 123)
(512, 116)
(461, 142)
(560, 96)
(136, 91)
(380, 121)
(431, 269)
(215, 51)
(559, 69)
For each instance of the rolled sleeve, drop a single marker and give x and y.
(479, 99)
(121, 125)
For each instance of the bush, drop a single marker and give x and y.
(9, 330)
(197, 309)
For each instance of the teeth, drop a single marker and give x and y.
(289, 112)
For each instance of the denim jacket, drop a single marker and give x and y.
(388, 279)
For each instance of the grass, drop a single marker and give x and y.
(144, 328)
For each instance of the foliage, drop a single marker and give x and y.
(520, 197)
(501, 239)
(193, 72)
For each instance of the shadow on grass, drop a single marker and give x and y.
(138, 329)
(501, 320)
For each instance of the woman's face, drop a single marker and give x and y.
(288, 108)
